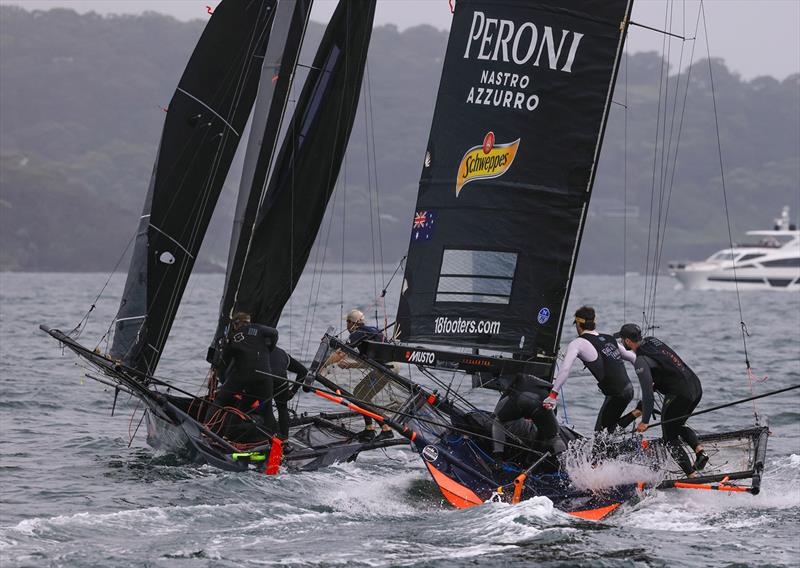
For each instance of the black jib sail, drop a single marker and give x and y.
(280, 62)
(305, 172)
(204, 123)
(508, 172)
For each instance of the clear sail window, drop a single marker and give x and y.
(476, 276)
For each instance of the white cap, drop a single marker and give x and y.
(355, 316)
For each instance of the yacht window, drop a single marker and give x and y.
(786, 262)
(750, 256)
(723, 256)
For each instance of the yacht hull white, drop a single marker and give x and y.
(771, 264)
(697, 278)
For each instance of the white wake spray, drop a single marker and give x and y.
(603, 461)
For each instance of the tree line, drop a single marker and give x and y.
(82, 98)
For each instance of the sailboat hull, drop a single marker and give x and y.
(176, 425)
(463, 473)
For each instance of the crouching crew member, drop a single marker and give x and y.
(248, 374)
(522, 398)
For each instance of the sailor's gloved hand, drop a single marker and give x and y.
(550, 402)
(642, 427)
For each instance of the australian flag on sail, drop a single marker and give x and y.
(422, 228)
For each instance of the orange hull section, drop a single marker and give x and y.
(595, 514)
(462, 497)
(459, 496)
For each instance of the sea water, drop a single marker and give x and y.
(75, 490)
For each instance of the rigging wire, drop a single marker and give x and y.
(660, 248)
(372, 145)
(344, 177)
(344, 234)
(666, 149)
(742, 323)
(668, 167)
(76, 332)
(645, 323)
(371, 208)
(625, 200)
(662, 162)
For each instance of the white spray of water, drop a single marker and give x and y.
(600, 462)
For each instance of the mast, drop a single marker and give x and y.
(277, 75)
(305, 171)
(204, 122)
(508, 173)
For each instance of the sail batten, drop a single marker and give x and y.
(508, 172)
(201, 133)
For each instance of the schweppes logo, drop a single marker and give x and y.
(487, 161)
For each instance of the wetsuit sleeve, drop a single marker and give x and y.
(642, 367)
(297, 367)
(300, 371)
(578, 348)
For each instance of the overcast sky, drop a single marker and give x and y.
(755, 37)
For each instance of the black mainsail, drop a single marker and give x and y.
(270, 258)
(204, 122)
(508, 173)
(278, 71)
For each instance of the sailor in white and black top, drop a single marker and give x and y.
(601, 355)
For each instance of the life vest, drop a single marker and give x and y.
(608, 368)
(670, 375)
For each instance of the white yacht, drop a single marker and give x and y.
(772, 262)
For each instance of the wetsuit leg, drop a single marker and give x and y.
(266, 396)
(530, 406)
(675, 407)
(687, 434)
(612, 409)
(504, 411)
(230, 394)
(526, 405)
(282, 397)
(226, 396)
(260, 387)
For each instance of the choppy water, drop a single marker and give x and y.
(73, 493)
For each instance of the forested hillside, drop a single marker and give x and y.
(81, 99)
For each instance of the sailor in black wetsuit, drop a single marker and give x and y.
(248, 382)
(600, 354)
(375, 381)
(281, 364)
(659, 368)
(522, 398)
